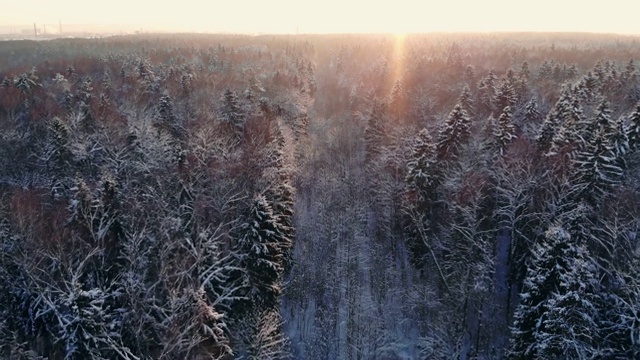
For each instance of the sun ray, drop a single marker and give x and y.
(397, 97)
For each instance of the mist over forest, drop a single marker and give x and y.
(435, 196)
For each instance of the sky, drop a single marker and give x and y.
(330, 16)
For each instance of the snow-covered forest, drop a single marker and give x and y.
(443, 196)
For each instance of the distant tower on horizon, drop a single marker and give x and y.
(60, 21)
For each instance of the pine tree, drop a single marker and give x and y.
(6, 82)
(281, 195)
(505, 96)
(60, 157)
(552, 122)
(597, 171)
(633, 130)
(165, 110)
(470, 74)
(260, 253)
(106, 82)
(487, 92)
(573, 131)
(396, 93)
(85, 90)
(232, 113)
(557, 316)
(454, 133)
(166, 118)
(531, 112)
(466, 100)
(612, 131)
(374, 133)
(525, 72)
(422, 167)
(504, 130)
(396, 99)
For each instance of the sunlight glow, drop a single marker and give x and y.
(398, 56)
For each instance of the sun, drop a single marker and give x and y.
(400, 35)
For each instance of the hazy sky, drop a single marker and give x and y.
(284, 16)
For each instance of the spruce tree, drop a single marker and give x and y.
(374, 133)
(487, 92)
(597, 171)
(455, 132)
(396, 97)
(422, 167)
(505, 96)
(166, 118)
(558, 313)
(504, 130)
(60, 157)
(466, 100)
(259, 253)
(573, 131)
(232, 113)
(552, 122)
(633, 129)
(531, 112)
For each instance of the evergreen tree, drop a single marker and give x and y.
(60, 157)
(455, 132)
(597, 171)
(6, 82)
(573, 131)
(612, 132)
(280, 194)
(525, 72)
(558, 313)
(504, 131)
(166, 118)
(470, 74)
(397, 92)
(505, 96)
(422, 167)
(531, 112)
(487, 92)
(260, 253)
(106, 82)
(633, 129)
(466, 100)
(374, 132)
(232, 113)
(165, 110)
(552, 122)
